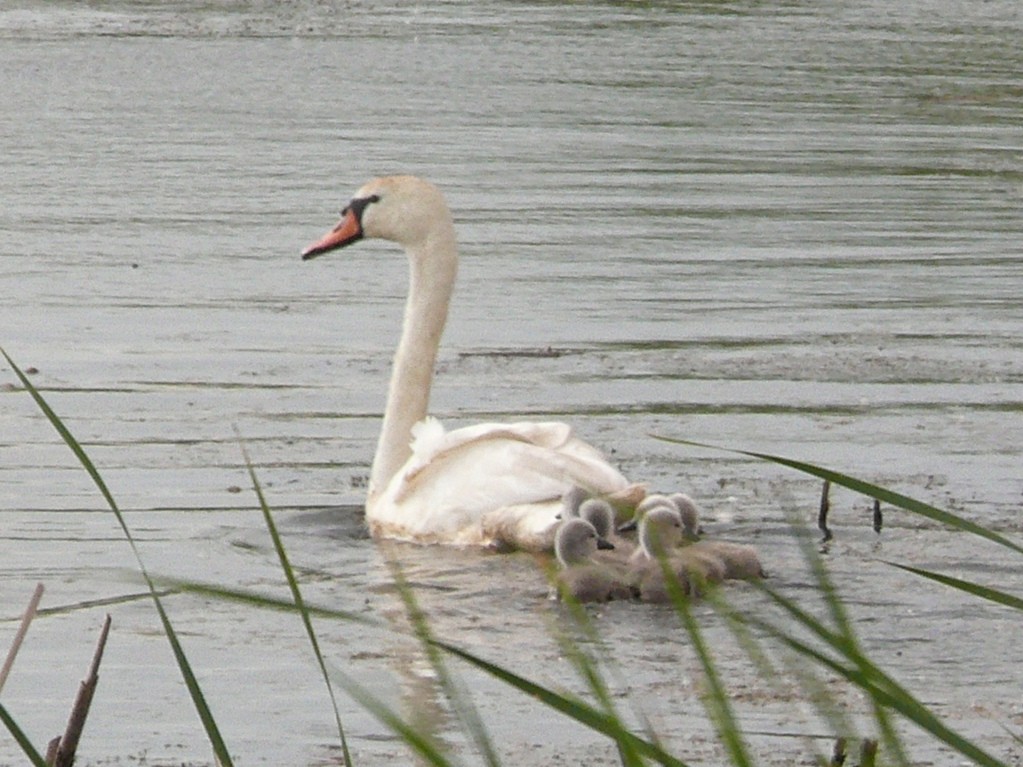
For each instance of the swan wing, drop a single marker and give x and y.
(491, 484)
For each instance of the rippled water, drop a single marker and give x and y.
(759, 225)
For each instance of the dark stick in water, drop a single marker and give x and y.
(822, 516)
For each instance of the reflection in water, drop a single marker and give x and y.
(760, 225)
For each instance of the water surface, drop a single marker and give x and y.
(762, 226)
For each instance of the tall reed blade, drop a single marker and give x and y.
(866, 488)
(845, 634)
(589, 669)
(198, 700)
(572, 707)
(420, 743)
(459, 698)
(716, 699)
(296, 594)
(26, 745)
(984, 592)
(868, 676)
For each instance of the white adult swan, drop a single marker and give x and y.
(489, 484)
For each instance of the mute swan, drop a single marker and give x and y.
(652, 501)
(707, 560)
(575, 543)
(660, 532)
(489, 484)
(598, 513)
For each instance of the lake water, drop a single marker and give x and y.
(758, 225)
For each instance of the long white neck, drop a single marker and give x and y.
(433, 265)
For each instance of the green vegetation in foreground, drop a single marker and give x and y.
(205, 715)
(834, 649)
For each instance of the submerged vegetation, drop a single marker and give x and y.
(803, 647)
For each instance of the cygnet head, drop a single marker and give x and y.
(652, 501)
(598, 513)
(571, 501)
(576, 541)
(690, 514)
(660, 531)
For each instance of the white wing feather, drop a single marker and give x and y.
(498, 484)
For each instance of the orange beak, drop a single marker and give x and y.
(347, 231)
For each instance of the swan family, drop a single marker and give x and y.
(522, 485)
(491, 484)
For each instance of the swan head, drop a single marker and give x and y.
(404, 209)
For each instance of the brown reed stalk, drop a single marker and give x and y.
(61, 750)
(26, 619)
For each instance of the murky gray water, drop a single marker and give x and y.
(763, 226)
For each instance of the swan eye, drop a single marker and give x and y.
(358, 205)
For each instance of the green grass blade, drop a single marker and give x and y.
(62, 430)
(904, 703)
(1015, 736)
(198, 700)
(820, 696)
(417, 741)
(194, 690)
(870, 678)
(793, 667)
(253, 599)
(296, 595)
(984, 592)
(576, 709)
(716, 700)
(588, 667)
(868, 489)
(845, 636)
(467, 715)
(23, 741)
(92, 604)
